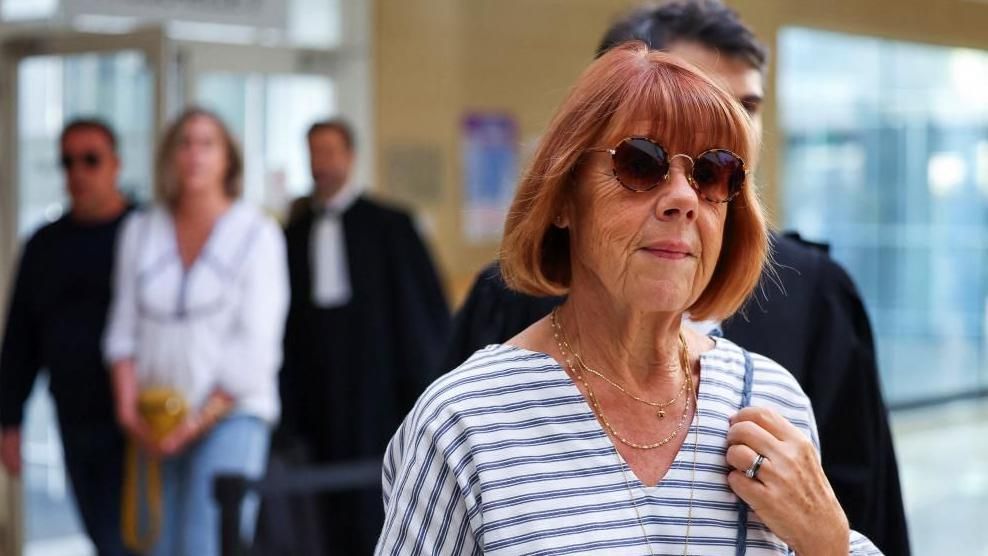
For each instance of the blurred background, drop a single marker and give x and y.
(876, 142)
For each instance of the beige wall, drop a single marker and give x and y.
(434, 60)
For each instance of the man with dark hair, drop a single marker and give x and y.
(55, 322)
(810, 319)
(366, 327)
(91, 124)
(336, 124)
(708, 23)
(331, 148)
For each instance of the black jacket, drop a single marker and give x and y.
(58, 310)
(352, 373)
(810, 320)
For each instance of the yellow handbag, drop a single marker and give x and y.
(163, 409)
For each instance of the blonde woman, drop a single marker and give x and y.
(195, 331)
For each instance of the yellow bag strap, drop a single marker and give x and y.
(135, 537)
(162, 409)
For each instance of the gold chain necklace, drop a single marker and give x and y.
(661, 413)
(562, 343)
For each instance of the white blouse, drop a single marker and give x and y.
(217, 324)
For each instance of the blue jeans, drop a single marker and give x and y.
(190, 515)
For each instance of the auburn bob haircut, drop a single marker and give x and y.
(691, 113)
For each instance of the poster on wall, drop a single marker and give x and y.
(490, 173)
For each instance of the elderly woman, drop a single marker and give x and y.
(609, 427)
(194, 338)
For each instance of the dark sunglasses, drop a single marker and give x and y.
(89, 160)
(640, 164)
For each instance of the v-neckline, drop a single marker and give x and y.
(210, 239)
(626, 469)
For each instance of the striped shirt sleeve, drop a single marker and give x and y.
(425, 511)
(861, 546)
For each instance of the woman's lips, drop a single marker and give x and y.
(667, 254)
(673, 250)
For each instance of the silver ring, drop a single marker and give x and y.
(752, 471)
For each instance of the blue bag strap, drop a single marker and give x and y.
(749, 373)
(742, 538)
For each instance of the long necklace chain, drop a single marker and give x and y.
(561, 342)
(696, 442)
(689, 511)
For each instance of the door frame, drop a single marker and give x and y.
(347, 64)
(199, 59)
(151, 41)
(175, 65)
(14, 48)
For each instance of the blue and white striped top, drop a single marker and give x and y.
(504, 456)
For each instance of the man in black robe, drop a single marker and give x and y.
(55, 322)
(367, 325)
(810, 319)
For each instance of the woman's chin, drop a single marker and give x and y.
(197, 186)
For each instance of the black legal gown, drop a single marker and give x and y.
(352, 373)
(814, 324)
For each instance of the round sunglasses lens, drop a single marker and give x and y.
(640, 164)
(719, 174)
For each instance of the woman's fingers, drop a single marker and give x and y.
(178, 439)
(755, 437)
(768, 433)
(138, 431)
(790, 493)
(742, 457)
(175, 440)
(754, 493)
(769, 420)
(133, 427)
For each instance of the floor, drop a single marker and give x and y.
(943, 465)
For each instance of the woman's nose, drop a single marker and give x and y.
(677, 199)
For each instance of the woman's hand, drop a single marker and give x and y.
(10, 450)
(125, 394)
(184, 434)
(790, 492)
(215, 408)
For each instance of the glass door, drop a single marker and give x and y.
(268, 97)
(53, 89)
(887, 160)
(56, 79)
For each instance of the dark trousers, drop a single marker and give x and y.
(94, 455)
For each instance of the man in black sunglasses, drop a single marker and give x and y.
(55, 322)
(813, 323)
